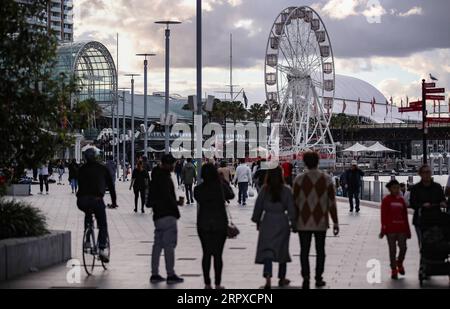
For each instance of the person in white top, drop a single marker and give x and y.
(43, 178)
(243, 178)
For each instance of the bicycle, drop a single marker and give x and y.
(92, 251)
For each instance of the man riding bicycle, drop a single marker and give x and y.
(93, 180)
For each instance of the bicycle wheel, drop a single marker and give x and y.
(108, 246)
(89, 256)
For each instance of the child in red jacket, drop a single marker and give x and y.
(395, 226)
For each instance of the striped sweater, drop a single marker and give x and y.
(315, 199)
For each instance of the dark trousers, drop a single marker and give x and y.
(305, 245)
(92, 205)
(189, 195)
(43, 179)
(212, 245)
(354, 195)
(268, 269)
(138, 191)
(395, 240)
(243, 190)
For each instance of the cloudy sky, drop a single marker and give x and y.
(411, 40)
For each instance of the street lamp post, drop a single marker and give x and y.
(124, 129)
(133, 150)
(199, 85)
(167, 23)
(145, 99)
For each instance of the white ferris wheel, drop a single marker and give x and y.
(300, 81)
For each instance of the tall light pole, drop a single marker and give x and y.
(133, 150)
(145, 100)
(124, 129)
(199, 84)
(167, 23)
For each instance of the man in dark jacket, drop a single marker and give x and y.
(353, 178)
(425, 195)
(188, 177)
(93, 179)
(165, 215)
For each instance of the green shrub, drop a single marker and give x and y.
(18, 219)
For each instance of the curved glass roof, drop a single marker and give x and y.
(93, 66)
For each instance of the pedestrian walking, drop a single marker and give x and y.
(212, 221)
(165, 216)
(288, 170)
(178, 170)
(259, 177)
(274, 214)
(140, 180)
(112, 168)
(315, 201)
(73, 175)
(395, 226)
(225, 172)
(188, 178)
(353, 181)
(43, 178)
(61, 171)
(242, 178)
(425, 195)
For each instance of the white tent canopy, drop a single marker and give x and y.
(356, 148)
(378, 147)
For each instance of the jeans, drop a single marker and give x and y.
(393, 241)
(354, 195)
(43, 179)
(138, 191)
(268, 269)
(92, 205)
(243, 190)
(212, 245)
(189, 195)
(305, 245)
(166, 234)
(74, 184)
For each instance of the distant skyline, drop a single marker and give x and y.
(411, 41)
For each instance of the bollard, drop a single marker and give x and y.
(377, 189)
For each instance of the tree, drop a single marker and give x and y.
(257, 113)
(85, 114)
(33, 103)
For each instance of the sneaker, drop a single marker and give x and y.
(394, 274)
(401, 268)
(244, 204)
(305, 285)
(284, 283)
(320, 283)
(156, 279)
(104, 255)
(174, 279)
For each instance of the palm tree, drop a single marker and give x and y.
(258, 113)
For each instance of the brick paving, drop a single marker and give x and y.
(132, 235)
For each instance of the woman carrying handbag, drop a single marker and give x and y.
(212, 221)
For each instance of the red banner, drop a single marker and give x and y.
(410, 109)
(430, 85)
(438, 120)
(416, 104)
(436, 97)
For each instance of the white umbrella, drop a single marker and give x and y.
(380, 148)
(87, 147)
(357, 148)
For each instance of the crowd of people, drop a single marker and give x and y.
(305, 204)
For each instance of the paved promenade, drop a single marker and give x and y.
(132, 236)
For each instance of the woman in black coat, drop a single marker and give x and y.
(212, 221)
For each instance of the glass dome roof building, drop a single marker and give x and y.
(92, 65)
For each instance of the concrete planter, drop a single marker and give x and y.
(23, 255)
(18, 190)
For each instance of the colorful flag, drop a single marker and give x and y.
(359, 106)
(373, 106)
(387, 107)
(245, 99)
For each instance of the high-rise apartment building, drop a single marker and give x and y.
(58, 18)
